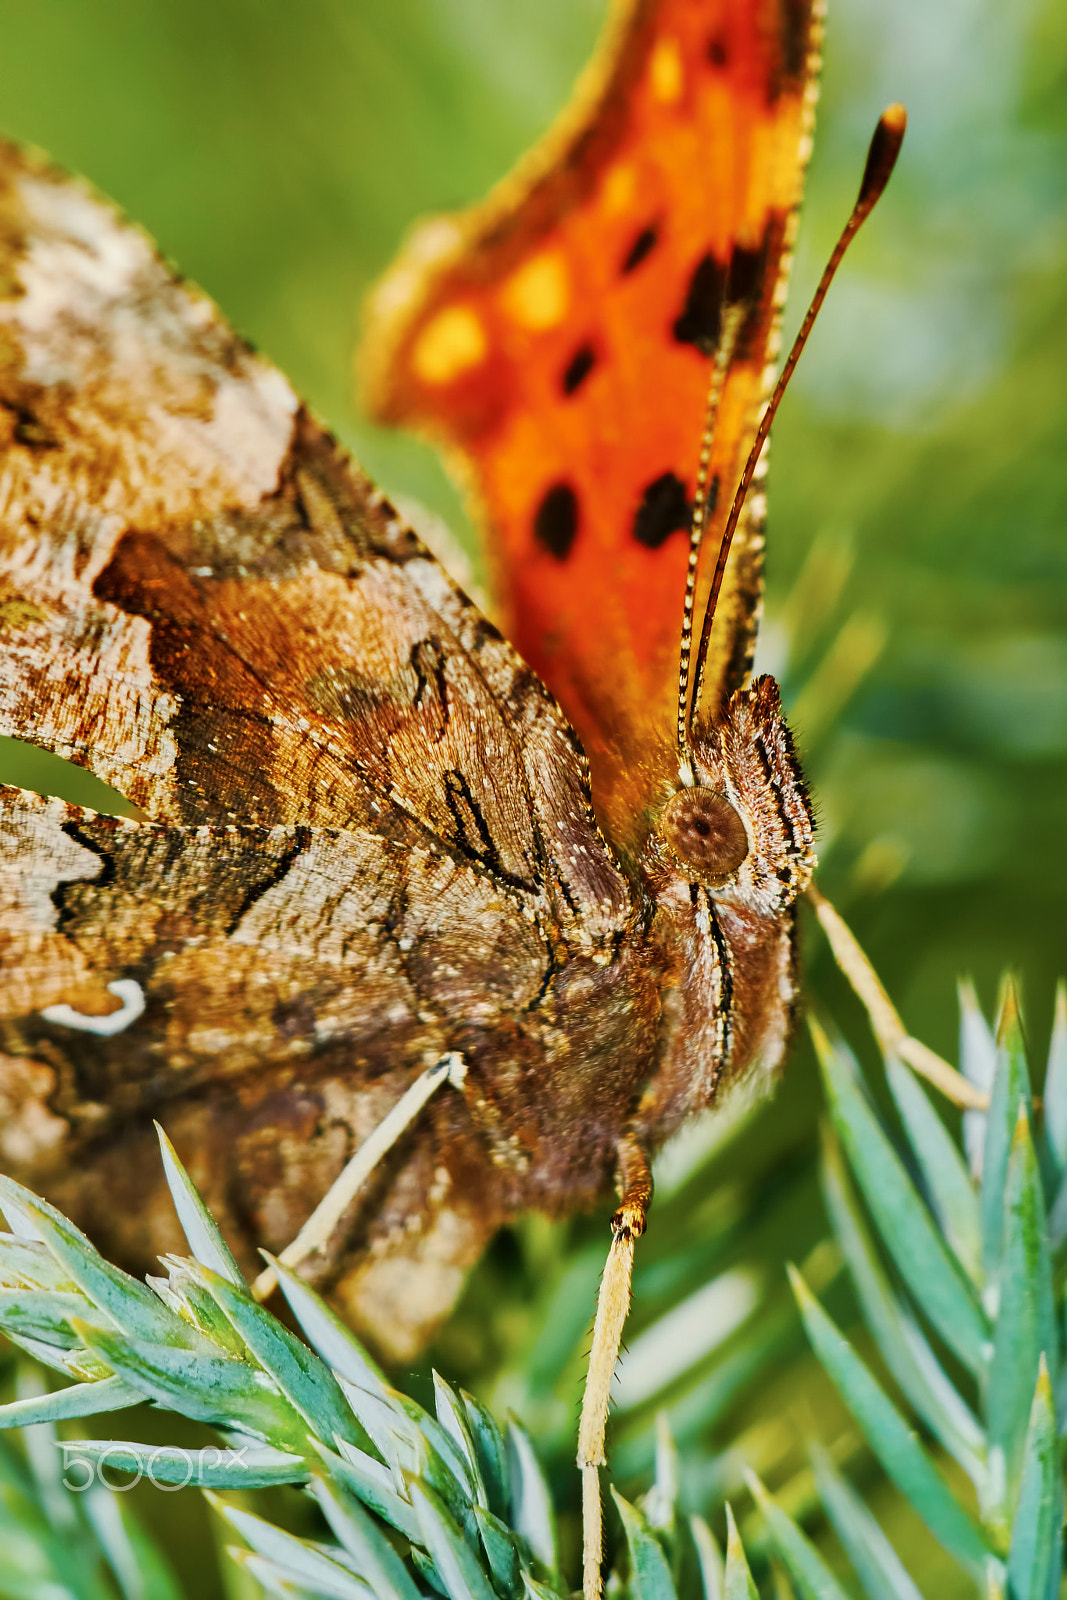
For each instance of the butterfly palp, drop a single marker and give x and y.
(731, 325)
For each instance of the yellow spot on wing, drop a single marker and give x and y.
(451, 342)
(538, 295)
(665, 71)
(619, 189)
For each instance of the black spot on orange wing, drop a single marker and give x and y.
(642, 246)
(746, 271)
(578, 368)
(664, 509)
(749, 283)
(700, 318)
(796, 25)
(556, 521)
(718, 51)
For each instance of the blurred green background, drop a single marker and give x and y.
(917, 567)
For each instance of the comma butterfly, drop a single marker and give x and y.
(379, 843)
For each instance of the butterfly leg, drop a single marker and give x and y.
(634, 1182)
(889, 1030)
(451, 1068)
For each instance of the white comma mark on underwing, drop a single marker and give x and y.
(128, 990)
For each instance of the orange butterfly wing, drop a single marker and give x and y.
(555, 340)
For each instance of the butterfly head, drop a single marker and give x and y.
(743, 829)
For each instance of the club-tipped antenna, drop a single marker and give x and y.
(881, 159)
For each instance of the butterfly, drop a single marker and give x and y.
(376, 832)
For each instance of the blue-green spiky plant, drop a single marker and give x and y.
(952, 1260)
(952, 1254)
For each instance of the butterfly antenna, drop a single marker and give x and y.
(881, 159)
(702, 509)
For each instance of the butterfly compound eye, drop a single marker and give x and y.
(704, 833)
